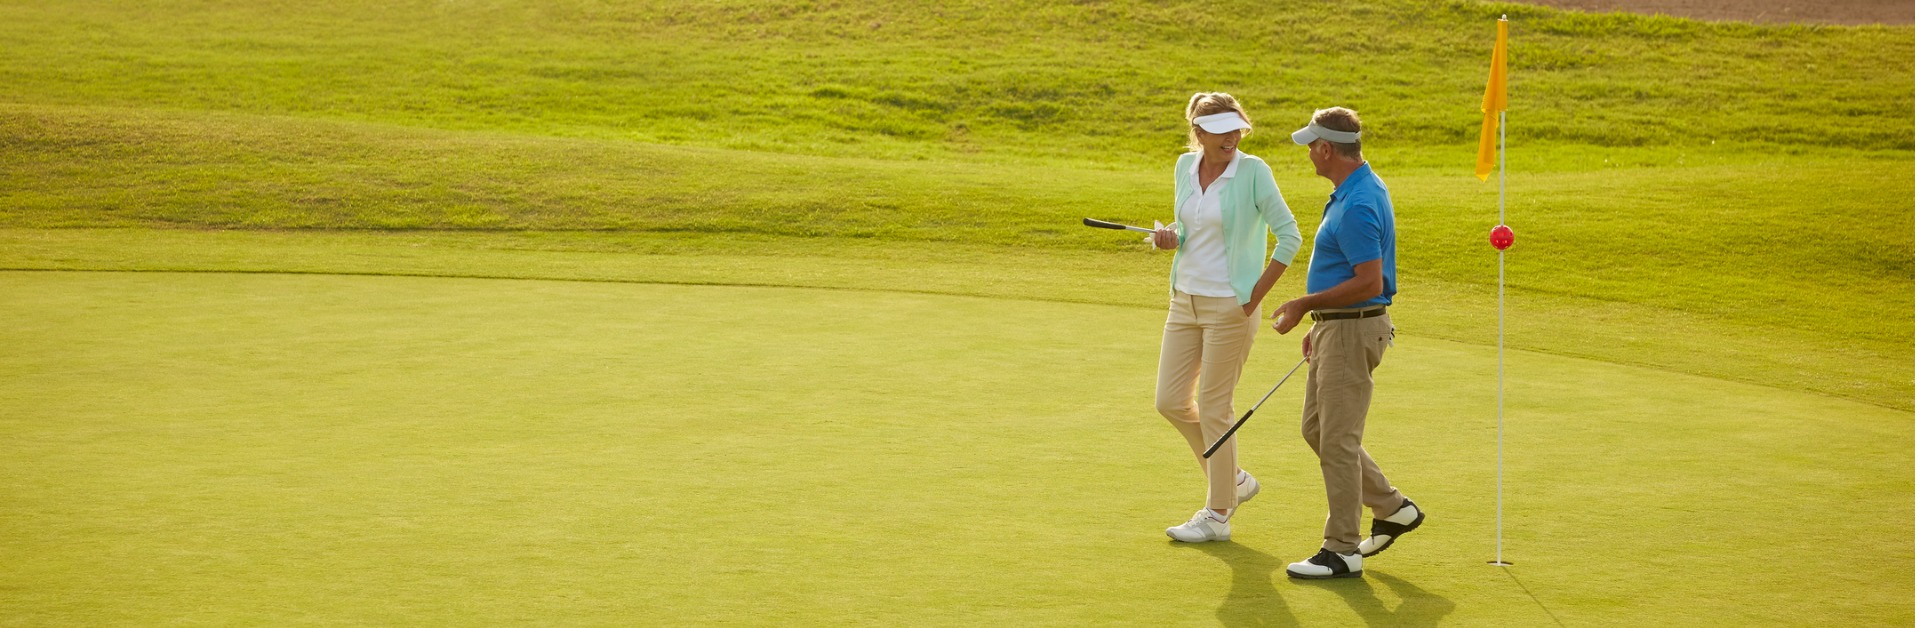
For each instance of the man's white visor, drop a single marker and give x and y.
(1306, 135)
(1222, 122)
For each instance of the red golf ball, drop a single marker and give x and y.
(1501, 238)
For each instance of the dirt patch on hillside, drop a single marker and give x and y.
(1895, 12)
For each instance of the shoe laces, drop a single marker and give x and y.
(1328, 558)
(1204, 515)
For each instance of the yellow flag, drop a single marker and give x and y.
(1491, 106)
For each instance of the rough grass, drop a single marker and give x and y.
(1101, 82)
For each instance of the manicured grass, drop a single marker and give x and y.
(323, 449)
(1741, 279)
(1542, 321)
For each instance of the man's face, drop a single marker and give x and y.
(1321, 153)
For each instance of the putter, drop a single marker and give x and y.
(1249, 414)
(1102, 224)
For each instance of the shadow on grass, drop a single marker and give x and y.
(1253, 600)
(1536, 599)
(1417, 606)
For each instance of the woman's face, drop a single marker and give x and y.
(1218, 145)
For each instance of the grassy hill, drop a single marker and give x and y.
(1699, 197)
(1090, 83)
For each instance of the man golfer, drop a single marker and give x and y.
(1350, 283)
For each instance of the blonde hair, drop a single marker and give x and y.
(1340, 119)
(1206, 104)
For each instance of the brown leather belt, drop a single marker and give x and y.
(1337, 316)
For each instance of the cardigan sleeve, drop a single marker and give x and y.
(1179, 230)
(1273, 207)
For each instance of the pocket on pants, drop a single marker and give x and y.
(1377, 347)
(1339, 354)
(1180, 313)
(1217, 311)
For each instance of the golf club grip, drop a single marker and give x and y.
(1229, 434)
(1102, 224)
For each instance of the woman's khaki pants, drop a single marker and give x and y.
(1205, 343)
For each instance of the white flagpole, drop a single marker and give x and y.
(1500, 389)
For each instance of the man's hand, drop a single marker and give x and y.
(1289, 315)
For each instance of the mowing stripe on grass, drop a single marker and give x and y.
(1689, 342)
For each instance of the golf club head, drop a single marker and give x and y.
(1101, 224)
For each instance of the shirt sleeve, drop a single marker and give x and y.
(1179, 230)
(1360, 236)
(1286, 231)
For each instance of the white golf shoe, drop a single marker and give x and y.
(1326, 564)
(1248, 487)
(1205, 525)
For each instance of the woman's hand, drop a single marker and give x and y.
(1306, 346)
(1165, 239)
(1250, 307)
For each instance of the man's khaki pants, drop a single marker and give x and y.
(1339, 389)
(1205, 344)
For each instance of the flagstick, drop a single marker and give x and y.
(1501, 237)
(1500, 388)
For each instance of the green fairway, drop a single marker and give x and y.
(770, 312)
(1866, 358)
(293, 449)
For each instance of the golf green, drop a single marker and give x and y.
(275, 449)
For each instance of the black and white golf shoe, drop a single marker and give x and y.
(1325, 565)
(1386, 531)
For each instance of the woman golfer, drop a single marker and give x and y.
(1226, 203)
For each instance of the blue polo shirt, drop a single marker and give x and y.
(1356, 228)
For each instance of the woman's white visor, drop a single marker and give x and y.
(1222, 122)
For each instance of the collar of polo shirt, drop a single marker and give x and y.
(1313, 131)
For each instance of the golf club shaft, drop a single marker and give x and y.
(1249, 414)
(1102, 224)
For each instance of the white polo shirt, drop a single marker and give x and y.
(1203, 254)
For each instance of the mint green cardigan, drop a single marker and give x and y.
(1250, 207)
